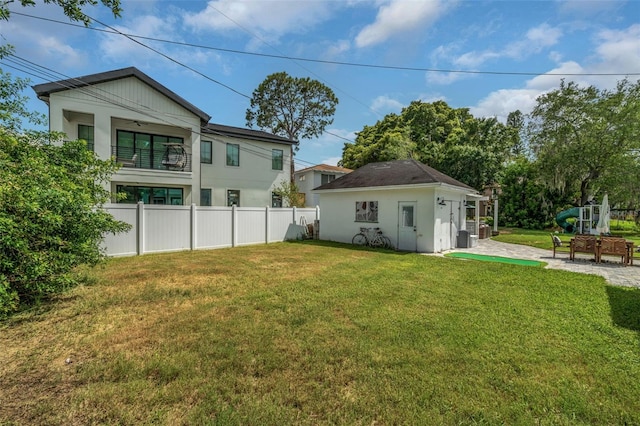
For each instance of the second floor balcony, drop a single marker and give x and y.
(169, 156)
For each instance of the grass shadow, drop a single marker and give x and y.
(625, 307)
(325, 243)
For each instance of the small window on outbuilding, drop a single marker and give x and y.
(366, 211)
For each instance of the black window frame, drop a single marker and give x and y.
(209, 158)
(233, 155)
(153, 194)
(229, 192)
(147, 158)
(206, 191)
(276, 200)
(277, 163)
(90, 139)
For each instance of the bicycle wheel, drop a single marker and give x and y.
(387, 242)
(359, 240)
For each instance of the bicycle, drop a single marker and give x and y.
(372, 237)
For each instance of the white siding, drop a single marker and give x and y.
(118, 105)
(254, 177)
(432, 221)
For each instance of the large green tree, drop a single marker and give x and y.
(294, 108)
(472, 150)
(584, 137)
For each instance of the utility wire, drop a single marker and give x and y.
(342, 63)
(46, 74)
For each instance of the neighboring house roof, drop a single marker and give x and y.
(393, 173)
(46, 89)
(324, 168)
(222, 130)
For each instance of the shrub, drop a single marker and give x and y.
(50, 215)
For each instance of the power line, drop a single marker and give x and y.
(170, 58)
(41, 72)
(342, 63)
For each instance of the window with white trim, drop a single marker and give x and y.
(366, 211)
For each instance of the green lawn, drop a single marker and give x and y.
(318, 333)
(542, 239)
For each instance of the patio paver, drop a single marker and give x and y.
(612, 271)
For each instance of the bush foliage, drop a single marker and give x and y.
(50, 216)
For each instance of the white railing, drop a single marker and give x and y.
(163, 228)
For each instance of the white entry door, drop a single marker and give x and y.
(407, 235)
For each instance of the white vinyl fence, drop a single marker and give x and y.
(163, 228)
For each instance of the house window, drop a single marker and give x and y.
(151, 195)
(205, 196)
(366, 211)
(324, 178)
(233, 197)
(150, 149)
(206, 157)
(276, 159)
(86, 133)
(233, 154)
(276, 200)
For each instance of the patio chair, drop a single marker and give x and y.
(126, 162)
(557, 242)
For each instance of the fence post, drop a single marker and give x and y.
(140, 230)
(194, 230)
(267, 229)
(234, 226)
(294, 215)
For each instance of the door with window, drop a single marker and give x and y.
(407, 233)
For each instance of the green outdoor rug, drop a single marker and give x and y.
(499, 259)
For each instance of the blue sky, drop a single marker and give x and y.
(510, 52)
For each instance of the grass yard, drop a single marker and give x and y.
(542, 239)
(318, 333)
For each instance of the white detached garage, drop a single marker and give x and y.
(417, 207)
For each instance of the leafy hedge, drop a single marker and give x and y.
(50, 216)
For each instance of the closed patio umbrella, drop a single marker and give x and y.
(605, 216)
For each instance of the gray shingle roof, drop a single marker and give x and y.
(44, 90)
(393, 173)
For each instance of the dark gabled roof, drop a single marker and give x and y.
(240, 132)
(393, 173)
(325, 168)
(44, 90)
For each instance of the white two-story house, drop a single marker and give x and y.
(169, 151)
(310, 178)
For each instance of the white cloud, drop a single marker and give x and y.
(430, 98)
(331, 161)
(269, 20)
(400, 16)
(583, 9)
(384, 105)
(338, 48)
(501, 102)
(41, 42)
(117, 47)
(534, 41)
(618, 51)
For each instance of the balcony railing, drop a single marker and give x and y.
(169, 157)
